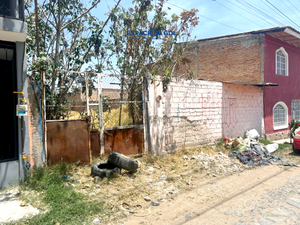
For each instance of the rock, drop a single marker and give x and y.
(164, 200)
(147, 199)
(155, 203)
(97, 186)
(186, 164)
(96, 221)
(188, 216)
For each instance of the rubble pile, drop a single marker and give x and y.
(217, 164)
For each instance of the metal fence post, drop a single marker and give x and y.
(87, 94)
(101, 128)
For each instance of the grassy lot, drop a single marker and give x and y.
(61, 203)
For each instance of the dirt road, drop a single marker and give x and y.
(264, 195)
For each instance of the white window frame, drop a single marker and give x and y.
(286, 116)
(286, 57)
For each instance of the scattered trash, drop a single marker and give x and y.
(151, 169)
(65, 177)
(163, 200)
(255, 156)
(96, 221)
(228, 142)
(155, 203)
(272, 147)
(252, 134)
(104, 169)
(123, 161)
(238, 141)
(23, 203)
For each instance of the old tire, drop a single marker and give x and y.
(104, 169)
(123, 161)
(295, 150)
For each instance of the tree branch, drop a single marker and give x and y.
(65, 26)
(85, 55)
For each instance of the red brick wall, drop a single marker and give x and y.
(225, 59)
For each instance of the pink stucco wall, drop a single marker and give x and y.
(242, 109)
(288, 88)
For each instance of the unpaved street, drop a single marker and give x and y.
(263, 195)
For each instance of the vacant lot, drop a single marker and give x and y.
(68, 194)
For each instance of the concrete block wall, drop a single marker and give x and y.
(242, 109)
(188, 114)
(225, 59)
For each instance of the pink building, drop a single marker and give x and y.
(266, 59)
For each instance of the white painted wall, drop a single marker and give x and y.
(196, 112)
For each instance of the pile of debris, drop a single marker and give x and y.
(216, 163)
(249, 151)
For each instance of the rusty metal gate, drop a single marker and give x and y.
(120, 117)
(114, 107)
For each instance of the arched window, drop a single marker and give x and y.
(281, 62)
(280, 116)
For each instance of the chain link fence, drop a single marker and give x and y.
(122, 100)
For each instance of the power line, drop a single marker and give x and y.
(290, 7)
(294, 6)
(248, 11)
(282, 13)
(276, 13)
(238, 14)
(206, 17)
(260, 12)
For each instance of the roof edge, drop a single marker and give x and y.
(286, 29)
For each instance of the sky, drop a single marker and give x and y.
(224, 17)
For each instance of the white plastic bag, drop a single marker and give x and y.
(252, 134)
(272, 147)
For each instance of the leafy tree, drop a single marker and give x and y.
(69, 36)
(139, 55)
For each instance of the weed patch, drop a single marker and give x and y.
(65, 205)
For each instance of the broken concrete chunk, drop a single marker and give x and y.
(155, 203)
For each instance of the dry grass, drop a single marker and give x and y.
(158, 178)
(110, 118)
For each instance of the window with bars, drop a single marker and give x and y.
(281, 62)
(280, 116)
(296, 110)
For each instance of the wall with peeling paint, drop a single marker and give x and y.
(188, 114)
(196, 112)
(242, 109)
